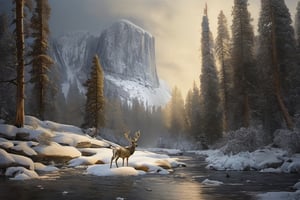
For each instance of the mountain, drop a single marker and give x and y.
(127, 55)
(129, 51)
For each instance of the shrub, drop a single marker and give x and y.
(244, 139)
(287, 140)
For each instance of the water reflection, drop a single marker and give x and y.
(181, 190)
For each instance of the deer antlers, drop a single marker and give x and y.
(135, 138)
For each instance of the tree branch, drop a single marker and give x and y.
(12, 81)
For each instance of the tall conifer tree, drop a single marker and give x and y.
(41, 62)
(94, 109)
(210, 102)
(222, 48)
(276, 55)
(177, 113)
(193, 112)
(242, 61)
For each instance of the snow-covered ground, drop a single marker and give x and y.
(136, 89)
(264, 160)
(56, 143)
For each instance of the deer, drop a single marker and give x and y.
(125, 152)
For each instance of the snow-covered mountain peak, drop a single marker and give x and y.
(127, 55)
(128, 24)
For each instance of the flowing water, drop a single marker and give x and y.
(183, 183)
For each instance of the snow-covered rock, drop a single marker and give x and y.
(5, 159)
(212, 182)
(292, 164)
(5, 144)
(23, 161)
(76, 140)
(20, 173)
(50, 125)
(8, 131)
(24, 148)
(267, 160)
(9, 159)
(105, 170)
(57, 150)
(44, 168)
(59, 143)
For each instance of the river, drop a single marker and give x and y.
(183, 183)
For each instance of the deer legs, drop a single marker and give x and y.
(116, 161)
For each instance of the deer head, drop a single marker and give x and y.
(133, 140)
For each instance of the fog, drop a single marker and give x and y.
(175, 24)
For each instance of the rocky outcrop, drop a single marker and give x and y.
(128, 51)
(127, 55)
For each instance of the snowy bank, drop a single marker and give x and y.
(41, 146)
(265, 160)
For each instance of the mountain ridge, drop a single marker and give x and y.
(127, 55)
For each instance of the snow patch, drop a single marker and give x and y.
(257, 160)
(136, 89)
(105, 170)
(55, 149)
(44, 168)
(212, 182)
(20, 173)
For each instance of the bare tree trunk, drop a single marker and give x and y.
(276, 74)
(41, 83)
(20, 114)
(245, 106)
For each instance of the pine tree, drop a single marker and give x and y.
(210, 102)
(41, 62)
(176, 113)
(193, 114)
(276, 57)
(94, 109)
(188, 110)
(242, 61)
(222, 48)
(296, 83)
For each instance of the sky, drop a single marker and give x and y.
(175, 24)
